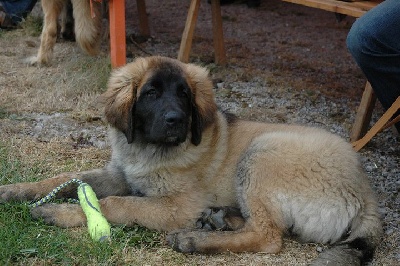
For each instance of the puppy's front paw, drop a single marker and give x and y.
(62, 215)
(7, 192)
(18, 192)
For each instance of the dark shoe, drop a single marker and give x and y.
(5, 21)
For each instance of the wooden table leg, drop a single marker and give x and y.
(143, 18)
(364, 113)
(187, 36)
(218, 35)
(381, 124)
(117, 32)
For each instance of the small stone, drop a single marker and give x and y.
(389, 231)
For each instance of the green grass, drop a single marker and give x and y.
(89, 72)
(12, 171)
(33, 25)
(3, 113)
(24, 241)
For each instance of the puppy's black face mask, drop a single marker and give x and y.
(163, 110)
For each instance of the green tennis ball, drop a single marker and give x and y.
(99, 228)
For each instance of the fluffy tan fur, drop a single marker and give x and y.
(284, 178)
(87, 29)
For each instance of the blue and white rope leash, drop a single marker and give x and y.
(54, 192)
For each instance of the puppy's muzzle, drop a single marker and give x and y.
(174, 118)
(175, 123)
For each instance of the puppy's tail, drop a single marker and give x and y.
(358, 248)
(88, 24)
(357, 252)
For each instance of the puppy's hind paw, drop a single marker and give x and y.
(181, 242)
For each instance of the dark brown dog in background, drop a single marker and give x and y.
(174, 155)
(87, 27)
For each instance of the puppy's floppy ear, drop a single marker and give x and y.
(197, 125)
(130, 131)
(204, 107)
(120, 97)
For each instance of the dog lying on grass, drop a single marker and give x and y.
(175, 155)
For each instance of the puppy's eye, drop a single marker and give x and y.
(151, 93)
(183, 92)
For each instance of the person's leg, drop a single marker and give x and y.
(18, 9)
(374, 42)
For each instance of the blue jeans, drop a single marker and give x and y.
(18, 9)
(374, 42)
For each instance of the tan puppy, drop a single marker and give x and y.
(174, 155)
(87, 28)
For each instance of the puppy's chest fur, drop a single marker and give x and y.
(151, 171)
(155, 184)
(142, 186)
(155, 172)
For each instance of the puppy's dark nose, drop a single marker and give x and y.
(174, 118)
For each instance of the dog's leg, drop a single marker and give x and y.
(260, 234)
(32, 191)
(51, 10)
(87, 28)
(264, 224)
(160, 213)
(103, 182)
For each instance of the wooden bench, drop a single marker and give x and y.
(350, 8)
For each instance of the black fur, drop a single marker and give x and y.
(131, 125)
(197, 125)
(366, 249)
(163, 111)
(230, 118)
(68, 33)
(360, 251)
